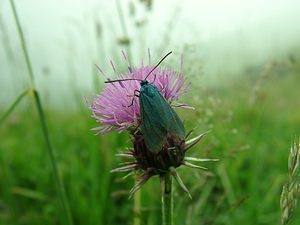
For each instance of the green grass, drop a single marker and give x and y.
(251, 139)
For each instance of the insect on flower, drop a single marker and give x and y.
(158, 118)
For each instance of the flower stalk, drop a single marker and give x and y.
(166, 198)
(137, 208)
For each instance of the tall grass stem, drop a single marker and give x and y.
(42, 118)
(23, 43)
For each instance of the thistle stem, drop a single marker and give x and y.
(167, 199)
(137, 208)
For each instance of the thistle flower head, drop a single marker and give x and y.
(150, 164)
(111, 107)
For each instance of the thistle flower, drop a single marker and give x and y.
(110, 107)
(117, 109)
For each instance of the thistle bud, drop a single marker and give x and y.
(171, 155)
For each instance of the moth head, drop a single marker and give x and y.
(143, 82)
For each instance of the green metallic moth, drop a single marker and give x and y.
(158, 118)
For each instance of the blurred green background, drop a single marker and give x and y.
(243, 59)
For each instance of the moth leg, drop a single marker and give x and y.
(134, 95)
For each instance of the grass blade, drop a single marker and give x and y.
(13, 105)
(52, 158)
(42, 118)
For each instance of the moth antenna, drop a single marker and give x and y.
(157, 64)
(119, 80)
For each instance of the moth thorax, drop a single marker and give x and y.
(171, 155)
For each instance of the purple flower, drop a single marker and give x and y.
(112, 107)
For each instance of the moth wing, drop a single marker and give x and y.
(176, 126)
(153, 125)
(170, 120)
